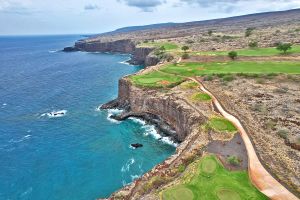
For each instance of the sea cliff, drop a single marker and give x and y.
(140, 55)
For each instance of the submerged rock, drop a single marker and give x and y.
(137, 145)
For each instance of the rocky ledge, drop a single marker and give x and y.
(140, 55)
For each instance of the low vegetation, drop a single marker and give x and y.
(210, 180)
(200, 97)
(167, 45)
(220, 124)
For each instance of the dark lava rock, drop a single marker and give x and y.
(70, 49)
(137, 145)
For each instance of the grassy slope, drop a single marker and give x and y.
(211, 181)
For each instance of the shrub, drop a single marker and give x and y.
(181, 168)
(168, 57)
(284, 47)
(228, 78)
(185, 48)
(283, 133)
(270, 124)
(208, 78)
(281, 90)
(249, 31)
(260, 81)
(253, 44)
(233, 55)
(185, 56)
(210, 32)
(162, 48)
(233, 160)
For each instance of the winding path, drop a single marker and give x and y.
(259, 176)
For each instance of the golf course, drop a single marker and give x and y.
(208, 179)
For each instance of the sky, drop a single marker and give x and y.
(39, 17)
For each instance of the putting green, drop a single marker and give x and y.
(207, 179)
(201, 97)
(221, 124)
(208, 166)
(227, 194)
(178, 193)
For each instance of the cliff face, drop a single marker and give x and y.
(119, 46)
(174, 110)
(140, 56)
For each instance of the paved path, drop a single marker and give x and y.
(259, 176)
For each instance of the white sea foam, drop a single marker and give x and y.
(26, 137)
(151, 130)
(125, 62)
(111, 112)
(126, 167)
(137, 120)
(134, 177)
(28, 191)
(55, 114)
(167, 140)
(53, 51)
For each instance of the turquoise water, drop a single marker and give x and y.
(82, 155)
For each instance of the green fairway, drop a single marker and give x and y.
(168, 46)
(200, 97)
(211, 181)
(156, 80)
(221, 125)
(272, 51)
(197, 69)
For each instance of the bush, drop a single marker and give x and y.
(283, 133)
(185, 56)
(233, 160)
(210, 32)
(228, 78)
(208, 78)
(185, 48)
(284, 47)
(181, 168)
(249, 32)
(253, 44)
(233, 55)
(168, 57)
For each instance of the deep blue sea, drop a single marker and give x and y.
(81, 155)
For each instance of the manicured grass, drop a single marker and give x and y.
(211, 181)
(156, 80)
(200, 97)
(221, 125)
(272, 51)
(168, 46)
(197, 69)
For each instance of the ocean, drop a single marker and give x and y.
(83, 154)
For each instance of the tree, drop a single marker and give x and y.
(253, 44)
(210, 32)
(185, 48)
(284, 47)
(249, 32)
(185, 56)
(233, 55)
(162, 49)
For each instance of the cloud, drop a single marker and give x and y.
(20, 7)
(91, 7)
(146, 6)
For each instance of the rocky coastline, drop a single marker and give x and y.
(139, 55)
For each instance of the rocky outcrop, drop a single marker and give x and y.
(140, 55)
(118, 46)
(170, 108)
